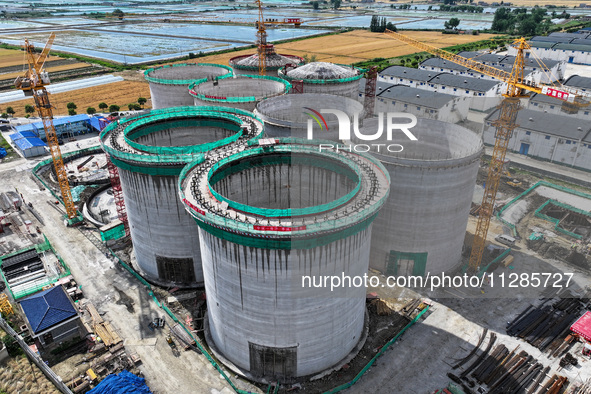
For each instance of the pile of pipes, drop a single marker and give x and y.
(547, 325)
(502, 371)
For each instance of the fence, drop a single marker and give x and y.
(55, 379)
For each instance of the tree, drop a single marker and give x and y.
(103, 106)
(71, 111)
(12, 346)
(141, 101)
(315, 5)
(10, 111)
(452, 23)
(113, 108)
(337, 4)
(4, 115)
(390, 26)
(29, 109)
(71, 105)
(117, 13)
(131, 106)
(90, 110)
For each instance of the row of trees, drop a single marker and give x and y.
(519, 21)
(462, 8)
(71, 106)
(379, 25)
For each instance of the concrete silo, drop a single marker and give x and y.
(268, 216)
(249, 64)
(239, 92)
(322, 77)
(288, 116)
(423, 224)
(150, 151)
(168, 84)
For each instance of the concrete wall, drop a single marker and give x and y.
(453, 112)
(160, 226)
(430, 196)
(255, 295)
(578, 57)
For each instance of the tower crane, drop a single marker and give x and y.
(33, 83)
(517, 87)
(262, 34)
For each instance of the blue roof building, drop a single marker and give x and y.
(68, 126)
(51, 316)
(28, 144)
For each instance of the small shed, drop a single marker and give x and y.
(28, 144)
(51, 316)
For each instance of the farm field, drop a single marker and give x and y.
(119, 93)
(355, 46)
(14, 57)
(48, 67)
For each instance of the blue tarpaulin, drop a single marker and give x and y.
(2, 153)
(124, 383)
(26, 139)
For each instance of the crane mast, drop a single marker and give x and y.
(261, 39)
(33, 83)
(517, 87)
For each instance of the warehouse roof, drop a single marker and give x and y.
(408, 73)
(380, 85)
(416, 96)
(558, 125)
(48, 308)
(572, 47)
(579, 82)
(56, 122)
(544, 99)
(463, 82)
(504, 61)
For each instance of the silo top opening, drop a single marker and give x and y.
(245, 88)
(284, 184)
(186, 73)
(322, 71)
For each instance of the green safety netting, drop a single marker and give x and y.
(113, 233)
(338, 226)
(235, 99)
(229, 73)
(347, 168)
(557, 222)
(170, 156)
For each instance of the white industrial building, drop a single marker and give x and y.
(553, 71)
(562, 139)
(487, 93)
(565, 47)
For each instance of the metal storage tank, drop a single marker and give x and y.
(242, 92)
(322, 77)
(249, 64)
(168, 84)
(268, 216)
(422, 226)
(289, 115)
(150, 151)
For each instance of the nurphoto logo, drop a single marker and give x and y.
(391, 122)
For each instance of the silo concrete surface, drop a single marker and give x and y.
(168, 84)
(150, 152)
(422, 226)
(293, 115)
(322, 77)
(242, 92)
(268, 216)
(249, 64)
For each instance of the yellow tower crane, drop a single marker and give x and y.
(517, 87)
(33, 83)
(262, 34)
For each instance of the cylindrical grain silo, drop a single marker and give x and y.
(423, 224)
(322, 77)
(269, 216)
(168, 84)
(150, 152)
(289, 115)
(249, 64)
(239, 92)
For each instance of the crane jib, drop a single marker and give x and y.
(559, 94)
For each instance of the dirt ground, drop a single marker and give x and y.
(355, 46)
(15, 57)
(119, 93)
(50, 69)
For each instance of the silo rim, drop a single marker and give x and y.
(147, 77)
(235, 99)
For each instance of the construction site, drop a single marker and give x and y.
(276, 224)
